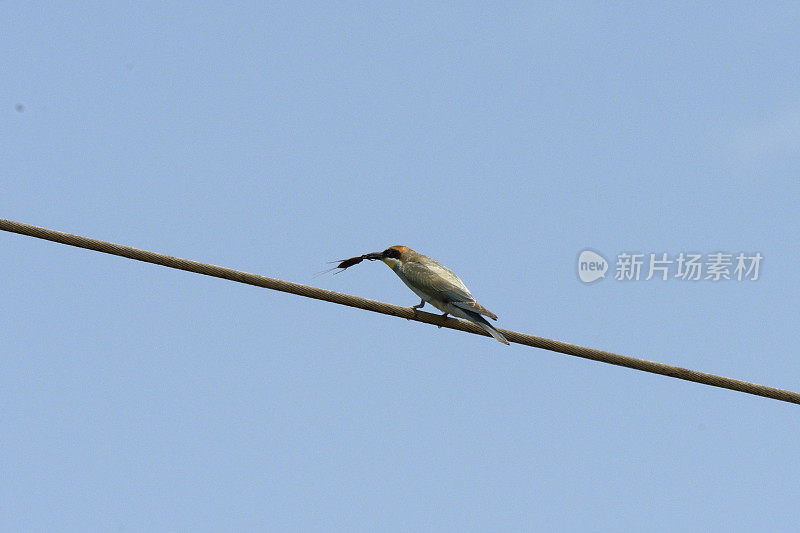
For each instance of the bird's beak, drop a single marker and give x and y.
(373, 256)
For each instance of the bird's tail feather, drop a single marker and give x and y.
(488, 328)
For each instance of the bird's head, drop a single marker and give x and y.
(394, 256)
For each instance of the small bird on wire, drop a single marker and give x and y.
(433, 283)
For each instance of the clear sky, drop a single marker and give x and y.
(501, 139)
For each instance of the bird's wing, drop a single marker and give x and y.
(434, 278)
(475, 306)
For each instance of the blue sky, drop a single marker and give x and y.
(500, 139)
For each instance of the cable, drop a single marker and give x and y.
(396, 310)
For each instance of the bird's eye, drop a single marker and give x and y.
(390, 252)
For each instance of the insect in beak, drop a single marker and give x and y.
(347, 263)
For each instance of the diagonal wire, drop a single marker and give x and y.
(396, 310)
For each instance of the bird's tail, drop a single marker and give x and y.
(488, 328)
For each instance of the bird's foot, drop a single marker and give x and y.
(418, 306)
(443, 315)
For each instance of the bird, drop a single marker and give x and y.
(437, 285)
